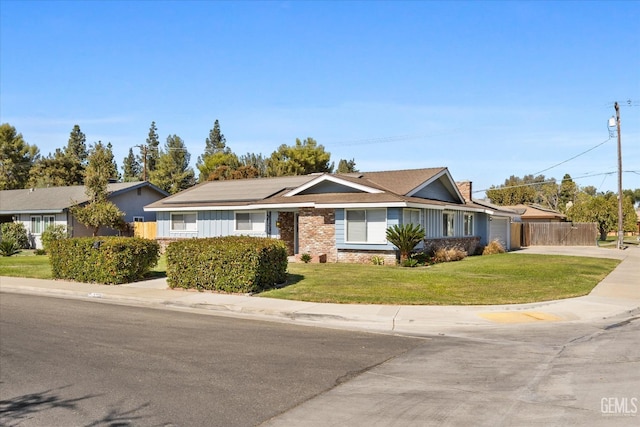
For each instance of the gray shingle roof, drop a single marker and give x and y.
(394, 184)
(53, 199)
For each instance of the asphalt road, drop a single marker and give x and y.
(76, 363)
(71, 363)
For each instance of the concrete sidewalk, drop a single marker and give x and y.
(618, 293)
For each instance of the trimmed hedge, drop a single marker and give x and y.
(107, 260)
(238, 264)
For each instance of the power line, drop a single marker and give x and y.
(574, 157)
(551, 181)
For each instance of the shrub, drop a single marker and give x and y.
(238, 264)
(422, 258)
(449, 255)
(17, 232)
(108, 260)
(8, 247)
(377, 260)
(306, 258)
(495, 247)
(410, 262)
(405, 237)
(52, 233)
(39, 252)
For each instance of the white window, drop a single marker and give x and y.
(184, 222)
(468, 224)
(251, 222)
(48, 221)
(367, 226)
(41, 223)
(411, 216)
(447, 224)
(138, 219)
(36, 225)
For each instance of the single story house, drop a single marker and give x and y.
(537, 213)
(37, 208)
(334, 217)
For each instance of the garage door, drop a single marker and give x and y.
(499, 230)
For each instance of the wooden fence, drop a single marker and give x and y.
(516, 235)
(146, 230)
(559, 234)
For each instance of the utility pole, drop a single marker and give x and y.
(620, 222)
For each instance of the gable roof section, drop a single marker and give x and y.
(57, 199)
(237, 191)
(400, 188)
(337, 184)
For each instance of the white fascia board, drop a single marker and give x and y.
(230, 208)
(336, 180)
(444, 172)
(360, 205)
(37, 211)
(425, 206)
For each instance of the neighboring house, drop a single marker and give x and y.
(337, 217)
(536, 213)
(37, 208)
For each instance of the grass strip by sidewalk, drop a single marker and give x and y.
(496, 279)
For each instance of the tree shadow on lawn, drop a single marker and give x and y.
(292, 279)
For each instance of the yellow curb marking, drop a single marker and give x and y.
(520, 317)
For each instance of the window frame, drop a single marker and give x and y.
(187, 229)
(35, 224)
(468, 224)
(368, 229)
(409, 212)
(448, 224)
(43, 222)
(252, 222)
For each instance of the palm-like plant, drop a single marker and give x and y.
(405, 237)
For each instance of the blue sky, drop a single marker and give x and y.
(487, 89)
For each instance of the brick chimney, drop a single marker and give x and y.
(465, 189)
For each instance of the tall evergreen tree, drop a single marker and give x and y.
(347, 166)
(214, 144)
(76, 148)
(172, 172)
(56, 170)
(100, 170)
(255, 162)
(216, 141)
(16, 158)
(131, 168)
(99, 212)
(152, 148)
(303, 158)
(568, 192)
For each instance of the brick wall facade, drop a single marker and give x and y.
(365, 257)
(287, 230)
(316, 233)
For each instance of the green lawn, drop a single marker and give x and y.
(496, 279)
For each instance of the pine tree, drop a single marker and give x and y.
(152, 148)
(100, 170)
(214, 144)
(16, 158)
(131, 168)
(347, 166)
(172, 172)
(99, 212)
(303, 158)
(77, 146)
